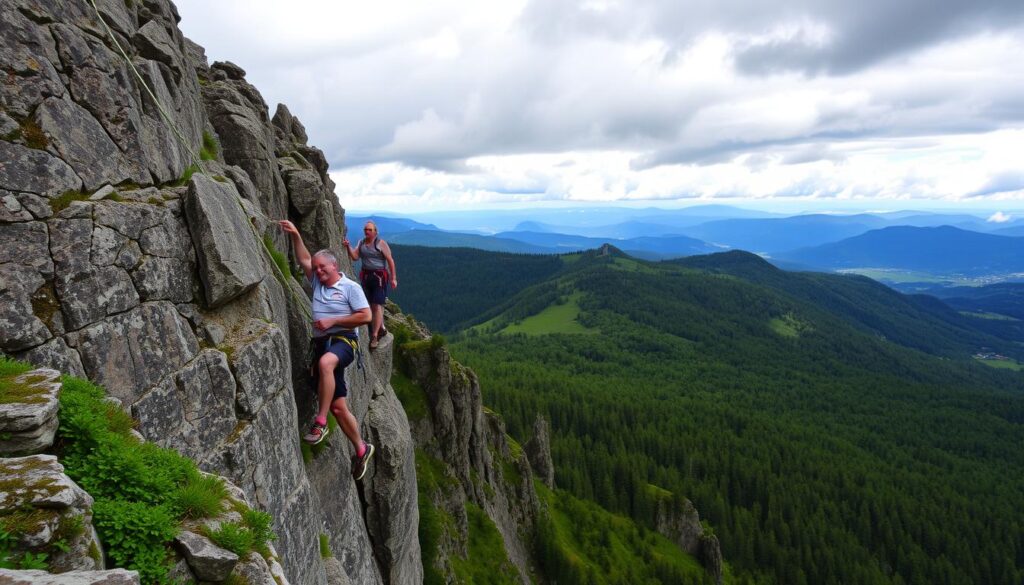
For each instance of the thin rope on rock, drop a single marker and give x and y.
(167, 118)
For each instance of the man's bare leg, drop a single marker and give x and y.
(325, 387)
(378, 320)
(348, 423)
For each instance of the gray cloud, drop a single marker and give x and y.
(777, 84)
(1004, 182)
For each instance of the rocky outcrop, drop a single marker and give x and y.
(41, 506)
(538, 451)
(677, 519)
(229, 252)
(483, 467)
(28, 416)
(162, 288)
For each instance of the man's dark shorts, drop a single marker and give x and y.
(375, 286)
(345, 353)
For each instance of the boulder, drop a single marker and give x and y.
(37, 489)
(230, 259)
(208, 561)
(254, 570)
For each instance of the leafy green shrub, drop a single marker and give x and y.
(27, 560)
(135, 535)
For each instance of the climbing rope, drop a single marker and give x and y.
(174, 128)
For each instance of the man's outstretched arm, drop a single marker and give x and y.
(301, 253)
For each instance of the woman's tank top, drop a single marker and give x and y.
(373, 259)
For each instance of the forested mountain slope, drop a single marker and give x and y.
(825, 441)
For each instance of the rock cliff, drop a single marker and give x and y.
(139, 192)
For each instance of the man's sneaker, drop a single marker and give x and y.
(374, 343)
(383, 332)
(317, 433)
(359, 463)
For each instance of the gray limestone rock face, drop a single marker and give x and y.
(305, 190)
(680, 523)
(287, 127)
(38, 207)
(207, 561)
(192, 411)
(126, 352)
(163, 279)
(35, 171)
(111, 577)
(263, 458)
(80, 140)
(54, 354)
(87, 292)
(27, 244)
(153, 42)
(28, 56)
(261, 367)
(390, 492)
(321, 229)
(11, 209)
(538, 450)
(19, 327)
(711, 556)
(229, 253)
(335, 572)
(239, 115)
(89, 295)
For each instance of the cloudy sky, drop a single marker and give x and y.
(795, 104)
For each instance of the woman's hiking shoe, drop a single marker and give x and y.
(317, 433)
(373, 343)
(359, 463)
(383, 332)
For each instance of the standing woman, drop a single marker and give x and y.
(377, 273)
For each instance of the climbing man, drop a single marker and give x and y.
(377, 273)
(339, 307)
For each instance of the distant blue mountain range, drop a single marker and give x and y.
(938, 244)
(936, 250)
